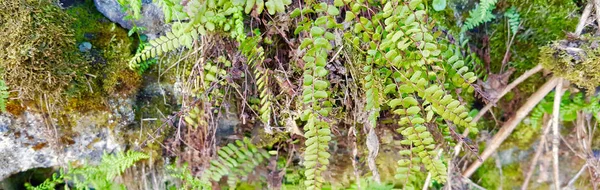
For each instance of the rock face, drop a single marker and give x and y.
(26, 142)
(152, 16)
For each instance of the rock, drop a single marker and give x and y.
(85, 47)
(152, 16)
(26, 142)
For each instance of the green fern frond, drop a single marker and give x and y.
(204, 16)
(514, 19)
(114, 165)
(255, 59)
(48, 184)
(315, 95)
(235, 161)
(480, 14)
(163, 44)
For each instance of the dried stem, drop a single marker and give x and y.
(584, 17)
(556, 132)
(511, 124)
(536, 157)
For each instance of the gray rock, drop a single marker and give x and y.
(152, 16)
(85, 47)
(26, 142)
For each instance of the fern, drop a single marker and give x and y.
(236, 161)
(514, 19)
(255, 59)
(480, 14)
(204, 17)
(48, 184)
(315, 94)
(98, 177)
(3, 95)
(569, 107)
(404, 61)
(102, 175)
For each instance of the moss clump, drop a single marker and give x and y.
(490, 177)
(39, 55)
(577, 61)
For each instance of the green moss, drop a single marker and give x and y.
(107, 74)
(488, 176)
(535, 31)
(41, 56)
(523, 136)
(577, 61)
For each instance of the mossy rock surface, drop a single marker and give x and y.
(39, 55)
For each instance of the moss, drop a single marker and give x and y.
(107, 74)
(523, 137)
(41, 56)
(535, 31)
(577, 61)
(15, 108)
(488, 176)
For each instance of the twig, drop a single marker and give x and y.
(555, 132)
(597, 6)
(584, 17)
(572, 181)
(487, 107)
(511, 124)
(536, 157)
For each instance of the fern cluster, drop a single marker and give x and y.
(406, 69)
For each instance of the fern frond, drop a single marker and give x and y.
(163, 44)
(48, 184)
(255, 60)
(514, 19)
(135, 6)
(315, 94)
(480, 14)
(114, 165)
(235, 161)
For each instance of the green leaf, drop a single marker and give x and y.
(316, 31)
(332, 10)
(349, 16)
(439, 5)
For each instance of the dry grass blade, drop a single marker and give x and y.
(536, 157)
(556, 132)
